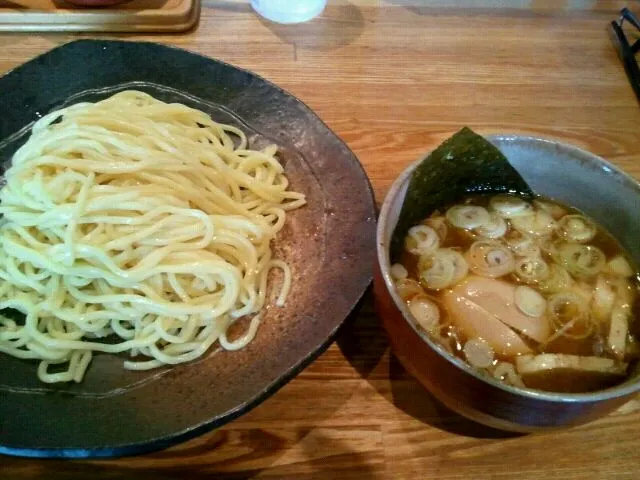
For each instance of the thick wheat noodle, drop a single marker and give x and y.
(141, 221)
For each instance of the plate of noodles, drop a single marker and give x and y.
(178, 238)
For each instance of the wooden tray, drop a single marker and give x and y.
(133, 16)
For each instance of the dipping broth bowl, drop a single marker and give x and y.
(552, 169)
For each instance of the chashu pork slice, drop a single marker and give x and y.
(485, 308)
(476, 322)
(498, 297)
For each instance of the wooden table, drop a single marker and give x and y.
(393, 79)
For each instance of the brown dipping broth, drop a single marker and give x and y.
(592, 344)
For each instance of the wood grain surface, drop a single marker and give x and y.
(393, 79)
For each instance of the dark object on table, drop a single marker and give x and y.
(627, 51)
(329, 243)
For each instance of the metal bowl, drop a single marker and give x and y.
(565, 173)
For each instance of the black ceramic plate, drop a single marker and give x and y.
(329, 243)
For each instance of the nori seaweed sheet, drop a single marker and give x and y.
(464, 164)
